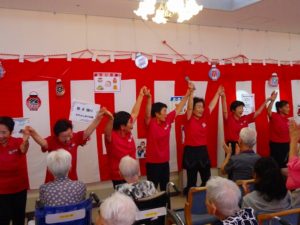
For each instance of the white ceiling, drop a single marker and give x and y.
(270, 15)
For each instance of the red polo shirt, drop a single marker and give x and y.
(233, 125)
(54, 144)
(13, 167)
(158, 139)
(195, 130)
(117, 148)
(279, 128)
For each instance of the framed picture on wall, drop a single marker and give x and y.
(107, 82)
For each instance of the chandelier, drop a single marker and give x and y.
(183, 9)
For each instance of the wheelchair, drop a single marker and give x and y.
(76, 214)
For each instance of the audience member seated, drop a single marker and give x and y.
(270, 193)
(293, 180)
(61, 191)
(222, 200)
(130, 170)
(240, 166)
(118, 209)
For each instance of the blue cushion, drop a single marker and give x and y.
(198, 219)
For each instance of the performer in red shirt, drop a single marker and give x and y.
(13, 174)
(119, 140)
(158, 139)
(279, 131)
(235, 120)
(195, 155)
(65, 138)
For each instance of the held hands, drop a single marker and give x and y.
(103, 112)
(147, 92)
(273, 96)
(221, 91)
(26, 133)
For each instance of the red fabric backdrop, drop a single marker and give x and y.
(82, 69)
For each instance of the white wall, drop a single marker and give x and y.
(27, 32)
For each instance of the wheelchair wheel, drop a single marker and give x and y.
(173, 218)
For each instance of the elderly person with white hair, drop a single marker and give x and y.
(130, 171)
(118, 209)
(222, 200)
(240, 166)
(61, 191)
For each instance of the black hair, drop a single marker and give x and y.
(61, 126)
(120, 118)
(196, 100)
(236, 104)
(8, 122)
(270, 183)
(157, 107)
(281, 104)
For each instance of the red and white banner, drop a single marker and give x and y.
(164, 80)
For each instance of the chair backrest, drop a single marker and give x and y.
(76, 214)
(246, 186)
(290, 215)
(152, 210)
(196, 200)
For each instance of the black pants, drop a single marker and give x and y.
(159, 174)
(280, 153)
(117, 182)
(12, 208)
(196, 160)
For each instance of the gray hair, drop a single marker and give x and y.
(118, 209)
(129, 167)
(248, 136)
(59, 162)
(224, 194)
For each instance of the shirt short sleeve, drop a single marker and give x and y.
(50, 142)
(250, 117)
(78, 138)
(171, 117)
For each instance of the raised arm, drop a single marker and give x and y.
(148, 106)
(109, 126)
(270, 106)
(137, 106)
(215, 99)
(90, 129)
(262, 106)
(189, 111)
(224, 105)
(294, 130)
(37, 138)
(228, 151)
(181, 104)
(25, 144)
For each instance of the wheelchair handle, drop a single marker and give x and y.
(282, 221)
(95, 197)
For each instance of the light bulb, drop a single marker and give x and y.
(159, 17)
(146, 7)
(175, 5)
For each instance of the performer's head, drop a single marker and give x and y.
(198, 106)
(6, 127)
(63, 130)
(159, 111)
(123, 122)
(283, 107)
(237, 108)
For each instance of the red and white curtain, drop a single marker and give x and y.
(164, 80)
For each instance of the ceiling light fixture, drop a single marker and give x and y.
(183, 9)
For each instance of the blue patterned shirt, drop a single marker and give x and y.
(62, 191)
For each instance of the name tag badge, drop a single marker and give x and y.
(14, 151)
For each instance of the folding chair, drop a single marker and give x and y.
(76, 214)
(152, 210)
(195, 212)
(286, 217)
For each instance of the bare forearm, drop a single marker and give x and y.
(148, 109)
(224, 107)
(260, 109)
(270, 106)
(181, 104)
(213, 102)
(39, 140)
(137, 106)
(293, 148)
(226, 160)
(24, 146)
(90, 129)
(108, 129)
